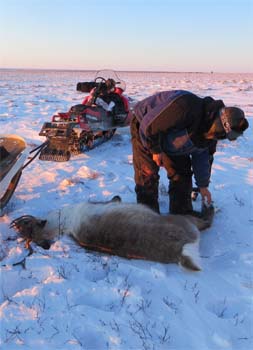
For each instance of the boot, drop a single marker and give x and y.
(148, 198)
(180, 196)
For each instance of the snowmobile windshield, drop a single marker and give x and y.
(107, 75)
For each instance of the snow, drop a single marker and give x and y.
(69, 298)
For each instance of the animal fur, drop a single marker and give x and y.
(126, 230)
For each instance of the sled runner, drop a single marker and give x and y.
(89, 124)
(13, 153)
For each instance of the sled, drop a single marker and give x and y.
(13, 153)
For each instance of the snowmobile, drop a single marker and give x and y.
(13, 153)
(88, 124)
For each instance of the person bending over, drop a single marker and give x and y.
(179, 131)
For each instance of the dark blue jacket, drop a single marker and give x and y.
(175, 122)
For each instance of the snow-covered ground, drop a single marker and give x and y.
(69, 298)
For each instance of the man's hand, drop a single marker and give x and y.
(206, 195)
(157, 158)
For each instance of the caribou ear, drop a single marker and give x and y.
(42, 223)
(116, 199)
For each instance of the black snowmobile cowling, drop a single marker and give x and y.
(87, 86)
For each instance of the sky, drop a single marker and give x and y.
(153, 35)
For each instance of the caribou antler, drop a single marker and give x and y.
(28, 227)
(20, 221)
(23, 225)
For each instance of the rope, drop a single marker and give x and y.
(38, 149)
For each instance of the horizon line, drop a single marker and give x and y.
(121, 70)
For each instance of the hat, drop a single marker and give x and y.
(233, 121)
